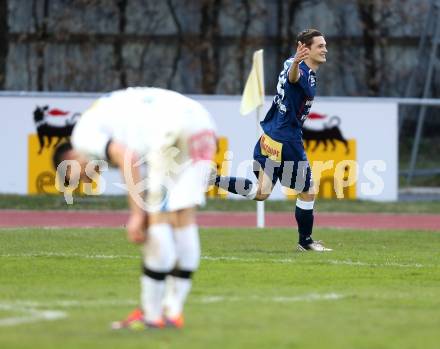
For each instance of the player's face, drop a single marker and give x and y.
(318, 50)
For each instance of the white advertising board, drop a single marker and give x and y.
(364, 130)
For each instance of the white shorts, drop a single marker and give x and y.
(188, 189)
(178, 172)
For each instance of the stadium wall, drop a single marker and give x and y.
(205, 47)
(358, 134)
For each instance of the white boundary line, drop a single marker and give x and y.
(348, 262)
(312, 297)
(386, 264)
(29, 315)
(67, 255)
(32, 306)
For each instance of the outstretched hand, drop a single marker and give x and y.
(302, 53)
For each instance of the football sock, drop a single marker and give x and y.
(152, 291)
(178, 286)
(237, 185)
(178, 282)
(159, 260)
(304, 219)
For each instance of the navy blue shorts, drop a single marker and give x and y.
(283, 161)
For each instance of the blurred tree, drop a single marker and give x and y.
(287, 25)
(243, 38)
(180, 41)
(40, 17)
(203, 46)
(367, 14)
(345, 77)
(239, 41)
(146, 52)
(210, 44)
(286, 11)
(3, 41)
(118, 43)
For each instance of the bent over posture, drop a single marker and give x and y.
(174, 136)
(279, 153)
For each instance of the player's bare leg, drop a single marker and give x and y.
(265, 186)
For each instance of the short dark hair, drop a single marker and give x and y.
(59, 153)
(307, 35)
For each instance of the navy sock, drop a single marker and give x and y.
(235, 185)
(304, 218)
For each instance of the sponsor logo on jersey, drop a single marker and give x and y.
(270, 148)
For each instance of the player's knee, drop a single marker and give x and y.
(160, 252)
(263, 192)
(306, 196)
(261, 197)
(163, 260)
(185, 217)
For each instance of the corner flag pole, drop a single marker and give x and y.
(260, 204)
(253, 98)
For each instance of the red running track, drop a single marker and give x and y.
(23, 218)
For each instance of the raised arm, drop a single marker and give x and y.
(302, 52)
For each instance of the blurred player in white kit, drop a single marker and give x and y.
(175, 137)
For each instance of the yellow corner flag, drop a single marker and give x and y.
(253, 94)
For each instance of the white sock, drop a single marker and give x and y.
(177, 290)
(305, 205)
(159, 260)
(188, 258)
(253, 193)
(152, 292)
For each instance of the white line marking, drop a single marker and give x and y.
(386, 264)
(310, 298)
(220, 259)
(31, 307)
(213, 299)
(313, 297)
(68, 255)
(248, 260)
(72, 303)
(335, 262)
(30, 315)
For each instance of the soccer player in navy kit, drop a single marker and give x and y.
(279, 153)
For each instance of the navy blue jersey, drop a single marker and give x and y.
(291, 105)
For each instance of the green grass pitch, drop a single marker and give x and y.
(376, 290)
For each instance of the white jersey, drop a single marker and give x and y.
(141, 118)
(173, 133)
